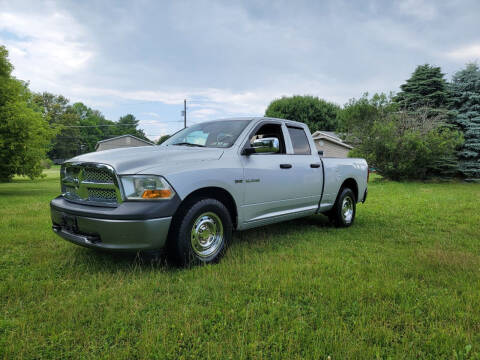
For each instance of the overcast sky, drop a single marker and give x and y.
(229, 58)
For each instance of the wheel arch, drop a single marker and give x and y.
(350, 183)
(213, 192)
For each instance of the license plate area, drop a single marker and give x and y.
(69, 223)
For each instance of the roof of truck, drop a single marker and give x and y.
(257, 118)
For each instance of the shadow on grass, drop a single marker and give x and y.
(97, 260)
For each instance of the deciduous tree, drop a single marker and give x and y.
(318, 114)
(400, 144)
(24, 134)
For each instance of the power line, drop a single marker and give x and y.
(108, 125)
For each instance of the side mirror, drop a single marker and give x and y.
(270, 145)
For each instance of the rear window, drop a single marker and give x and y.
(299, 141)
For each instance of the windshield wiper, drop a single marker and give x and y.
(189, 144)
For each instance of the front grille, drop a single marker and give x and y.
(93, 184)
(97, 176)
(102, 195)
(71, 191)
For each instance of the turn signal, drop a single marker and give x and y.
(157, 194)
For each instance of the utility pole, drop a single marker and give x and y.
(184, 113)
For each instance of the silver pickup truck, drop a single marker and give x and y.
(188, 194)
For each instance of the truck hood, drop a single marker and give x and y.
(135, 159)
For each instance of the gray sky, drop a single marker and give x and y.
(229, 58)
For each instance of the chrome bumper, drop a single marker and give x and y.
(107, 234)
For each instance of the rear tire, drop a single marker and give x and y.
(344, 210)
(200, 233)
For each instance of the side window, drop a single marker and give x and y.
(270, 130)
(299, 141)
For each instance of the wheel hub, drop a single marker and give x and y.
(347, 209)
(207, 234)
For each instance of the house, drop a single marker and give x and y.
(330, 144)
(122, 141)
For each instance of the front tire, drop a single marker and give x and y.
(200, 233)
(344, 210)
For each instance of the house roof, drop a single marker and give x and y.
(330, 136)
(122, 136)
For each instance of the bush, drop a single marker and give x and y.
(46, 163)
(400, 144)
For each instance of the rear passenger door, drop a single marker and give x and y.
(307, 167)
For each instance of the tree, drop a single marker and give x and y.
(24, 133)
(128, 125)
(60, 115)
(465, 103)
(400, 144)
(93, 126)
(163, 138)
(318, 114)
(425, 88)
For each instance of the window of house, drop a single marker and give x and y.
(299, 141)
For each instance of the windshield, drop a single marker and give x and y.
(218, 134)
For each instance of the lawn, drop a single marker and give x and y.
(403, 282)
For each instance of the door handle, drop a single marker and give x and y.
(314, 166)
(285, 166)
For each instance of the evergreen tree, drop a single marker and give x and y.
(425, 88)
(465, 101)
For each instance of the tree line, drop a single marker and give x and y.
(36, 126)
(429, 129)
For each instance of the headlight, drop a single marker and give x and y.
(146, 187)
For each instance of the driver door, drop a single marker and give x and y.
(268, 178)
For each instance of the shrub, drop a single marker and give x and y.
(400, 144)
(46, 163)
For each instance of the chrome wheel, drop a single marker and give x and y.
(347, 209)
(207, 234)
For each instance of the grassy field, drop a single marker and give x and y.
(403, 282)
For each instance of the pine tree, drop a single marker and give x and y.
(465, 101)
(425, 88)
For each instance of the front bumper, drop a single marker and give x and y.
(99, 231)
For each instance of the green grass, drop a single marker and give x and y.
(403, 282)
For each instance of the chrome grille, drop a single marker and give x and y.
(98, 176)
(71, 191)
(102, 195)
(90, 183)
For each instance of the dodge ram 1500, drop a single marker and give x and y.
(188, 194)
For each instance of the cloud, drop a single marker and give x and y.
(45, 46)
(420, 9)
(203, 113)
(466, 53)
(151, 114)
(228, 58)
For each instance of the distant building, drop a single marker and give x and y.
(123, 141)
(330, 144)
